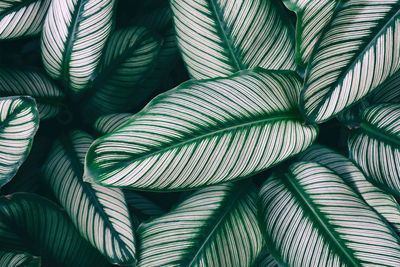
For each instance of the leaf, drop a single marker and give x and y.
(219, 38)
(74, 34)
(265, 259)
(99, 213)
(381, 202)
(128, 57)
(312, 17)
(109, 123)
(23, 82)
(216, 226)
(375, 147)
(19, 121)
(357, 51)
(34, 224)
(22, 18)
(15, 259)
(141, 206)
(203, 133)
(310, 217)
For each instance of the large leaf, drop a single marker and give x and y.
(18, 259)
(312, 17)
(109, 123)
(382, 202)
(205, 132)
(21, 82)
(22, 17)
(74, 34)
(32, 223)
(99, 213)
(219, 38)
(19, 121)
(375, 147)
(357, 51)
(310, 217)
(216, 226)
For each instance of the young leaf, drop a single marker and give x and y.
(219, 38)
(310, 217)
(74, 34)
(99, 213)
(34, 224)
(203, 133)
(216, 226)
(375, 147)
(109, 123)
(18, 259)
(357, 51)
(19, 121)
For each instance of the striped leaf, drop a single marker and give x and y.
(19, 121)
(22, 82)
(312, 18)
(20, 18)
(34, 224)
(109, 123)
(357, 51)
(216, 226)
(203, 133)
(310, 217)
(128, 57)
(18, 259)
(375, 147)
(382, 202)
(265, 259)
(99, 213)
(74, 34)
(219, 38)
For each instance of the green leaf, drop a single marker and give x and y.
(218, 38)
(357, 51)
(23, 82)
(216, 226)
(203, 133)
(74, 34)
(129, 56)
(19, 121)
(265, 259)
(310, 217)
(22, 18)
(34, 224)
(18, 259)
(380, 201)
(141, 206)
(312, 17)
(99, 213)
(109, 123)
(375, 147)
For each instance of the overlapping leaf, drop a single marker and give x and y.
(310, 217)
(19, 120)
(109, 123)
(74, 34)
(100, 213)
(18, 259)
(216, 226)
(375, 147)
(32, 223)
(265, 259)
(219, 38)
(357, 51)
(203, 133)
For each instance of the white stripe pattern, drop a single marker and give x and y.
(203, 133)
(220, 37)
(18, 259)
(358, 50)
(109, 123)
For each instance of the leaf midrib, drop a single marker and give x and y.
(374, 132)
(16, 7)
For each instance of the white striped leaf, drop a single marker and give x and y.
(99, 213)
(216, 226)
(265, 259)
(74, 34)
(383, 203)
(312, 17)
(32, 223)
(129, 56)
(21, 18)
(375, 147)
(109, 123)
(18, 259)
(203, 133)
(22, 82)
(219, 38)
(310, 217)
(358, 50)
(19, 121)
